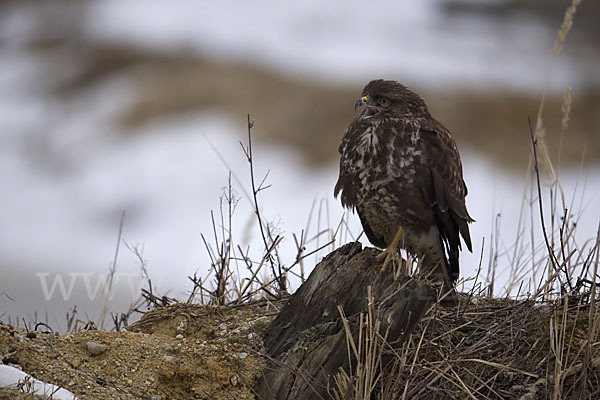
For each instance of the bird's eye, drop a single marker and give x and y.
(383, 101)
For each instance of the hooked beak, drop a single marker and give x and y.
(369, 111)
(361, 102)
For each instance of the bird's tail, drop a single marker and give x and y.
(452, 262)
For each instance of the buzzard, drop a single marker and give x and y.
(400, 169)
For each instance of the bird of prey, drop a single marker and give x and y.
(400, 169)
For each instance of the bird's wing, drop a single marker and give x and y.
(448, 190)
(345, 183)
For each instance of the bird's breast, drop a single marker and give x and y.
(385, 152)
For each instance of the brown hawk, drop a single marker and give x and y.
(400, 169)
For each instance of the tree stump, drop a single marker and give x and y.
(306, 343)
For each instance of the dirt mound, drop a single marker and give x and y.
(180, 351)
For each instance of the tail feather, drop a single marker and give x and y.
(453, 262)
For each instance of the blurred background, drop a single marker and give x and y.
(139, 106)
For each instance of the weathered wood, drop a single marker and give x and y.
(306, 343)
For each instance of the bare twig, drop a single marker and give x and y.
(278, 273)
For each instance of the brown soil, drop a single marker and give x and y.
(176, 352)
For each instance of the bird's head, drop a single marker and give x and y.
(381, 98)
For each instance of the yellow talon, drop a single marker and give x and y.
(391, 252)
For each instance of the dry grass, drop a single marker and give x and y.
(541, 345)
(237, 277)
(497, 349)
(367, 351)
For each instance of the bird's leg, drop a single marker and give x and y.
(391, 252)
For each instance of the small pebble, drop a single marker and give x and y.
(170, 349)
(223, 327)
(243, 355)
(233, 380)
(168, 359)
(250, 336)
(179, 336)
(9, 360)
(95, 348)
